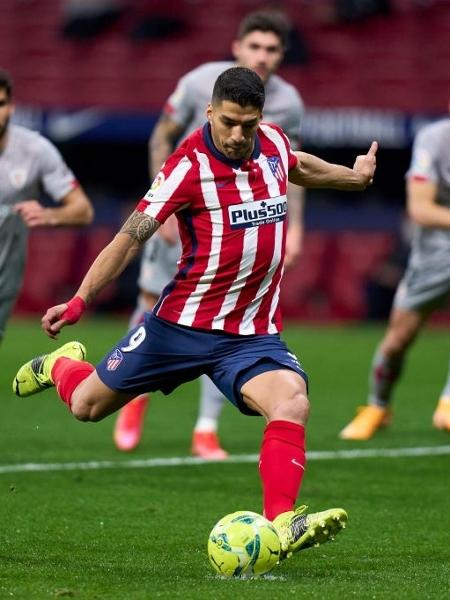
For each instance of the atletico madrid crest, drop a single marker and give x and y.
(114, 360)
(275, 167)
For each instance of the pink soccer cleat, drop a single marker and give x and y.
(129, 424)
(205, 444)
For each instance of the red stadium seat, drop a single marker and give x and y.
(355, 257)
(377, 63)
(49, 270)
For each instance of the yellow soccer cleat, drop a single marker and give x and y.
(35, 375)
(368, 420)
(441, 416)
(298, 531)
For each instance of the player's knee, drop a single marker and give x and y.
(293, 406)
(86, 411)
(297, 406)
(79, 411)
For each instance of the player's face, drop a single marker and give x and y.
(6, 110)
(261, 51)
(233, 128)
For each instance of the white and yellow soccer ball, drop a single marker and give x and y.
(243, 544)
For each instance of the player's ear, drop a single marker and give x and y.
(209, 110)
(235, 48)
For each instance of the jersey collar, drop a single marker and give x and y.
(235, 164)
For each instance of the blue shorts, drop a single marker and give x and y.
(159, 355)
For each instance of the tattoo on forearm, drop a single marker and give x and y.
(140, 226)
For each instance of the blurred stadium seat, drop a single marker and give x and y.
(57, 260)
(398, 60)
(356, 255)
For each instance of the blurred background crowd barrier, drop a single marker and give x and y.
(93, 75)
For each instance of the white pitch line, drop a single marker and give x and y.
(237, 458)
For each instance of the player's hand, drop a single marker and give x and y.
(294, 245)
(61, 315)
(365, 165)
(33, 213)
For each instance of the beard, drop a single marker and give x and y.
(237, 152)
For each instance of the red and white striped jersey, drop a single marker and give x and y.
(232, 220)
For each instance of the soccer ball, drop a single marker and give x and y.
(243, 544)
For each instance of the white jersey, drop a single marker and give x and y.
(187, 104)
(430, 254)
(28, 164)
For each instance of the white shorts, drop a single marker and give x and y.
(158, 265)
(6, 307)
(416, 292)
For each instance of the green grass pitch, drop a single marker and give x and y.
(134, 534)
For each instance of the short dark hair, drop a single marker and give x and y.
(240, 85)
(265, 20)
(6, 83)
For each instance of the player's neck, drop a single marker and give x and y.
(208, 139)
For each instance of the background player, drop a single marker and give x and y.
(227, 185)
(27, 162)
(260, 44)
(425, 285)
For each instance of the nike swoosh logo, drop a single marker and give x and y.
(293, 461)
(65, 126)
(221, 184)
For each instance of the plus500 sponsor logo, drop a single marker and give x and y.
(262, 212)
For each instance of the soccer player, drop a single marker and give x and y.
(260, 44)
(425, 285)
(27, 162)
(220, 315)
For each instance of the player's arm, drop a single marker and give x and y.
(295, 193)
(75, 209)
(422, 204)
(108, 265)
(162, 142)
(294, 237)
(115, 257)
(313, 172)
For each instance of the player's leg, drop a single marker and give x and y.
(158, 266)
(281, 397)
(441, 416)
(75, 379)
(154, 356)
(91, 399)
(129, 424)
(205, 441)
(6, 306)
(420, 292)
(386, 369)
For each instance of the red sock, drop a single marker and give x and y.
(67, 374)
(281, 466)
